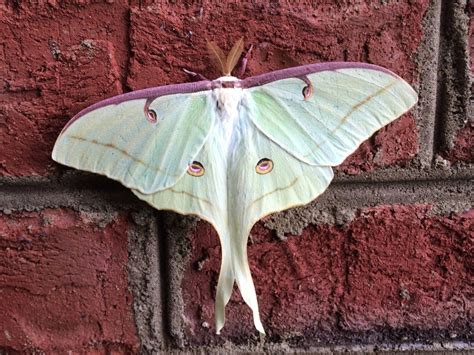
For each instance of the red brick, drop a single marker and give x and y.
(63, 282)
(391, 268)
(168, 38)
(407, 269)
(54, 62)
(394, 144)
(463, 150)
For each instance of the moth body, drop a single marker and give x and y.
(227, 98)
(227, 102)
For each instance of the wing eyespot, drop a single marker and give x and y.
(152, 116)
(196, 169)
(264, 166)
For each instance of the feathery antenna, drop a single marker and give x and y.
(226, 64)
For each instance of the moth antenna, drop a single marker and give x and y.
(195, 75)
(234, 55)
(240, 70)
(217, 56)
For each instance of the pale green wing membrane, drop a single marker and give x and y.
(203, 194)
(145, 144)
(343, 108)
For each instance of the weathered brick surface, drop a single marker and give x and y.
(463, 149)
(54, 61)
(394, 267)
(63, 282)
(407, 269)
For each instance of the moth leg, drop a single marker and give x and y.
(240, 70)
(195, 75)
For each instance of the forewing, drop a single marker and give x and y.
(123, 143)
(321, 118)
(204, 196)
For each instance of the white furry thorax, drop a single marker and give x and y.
(228, 99)
(227, 102)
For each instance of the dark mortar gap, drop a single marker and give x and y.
(7, 350)
(19, 96)
(70, 179)
(441, 112)
(385, 337)
(164, 254)
(346, 259)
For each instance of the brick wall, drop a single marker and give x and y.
(382, 260)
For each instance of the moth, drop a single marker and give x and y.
(232, 151)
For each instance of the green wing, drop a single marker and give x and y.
(120, 141)
(345, 108)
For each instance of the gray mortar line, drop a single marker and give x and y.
(454, 82)
(178, 254)
(146, 281)
(428, 52)
(36, 197)
(455, 196)
(48, 195)
(409, 175)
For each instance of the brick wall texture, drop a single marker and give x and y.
(382, 260)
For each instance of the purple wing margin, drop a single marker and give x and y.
(203, 85)
(145, 94)
(303, 70)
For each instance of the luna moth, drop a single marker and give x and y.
(232, 151)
